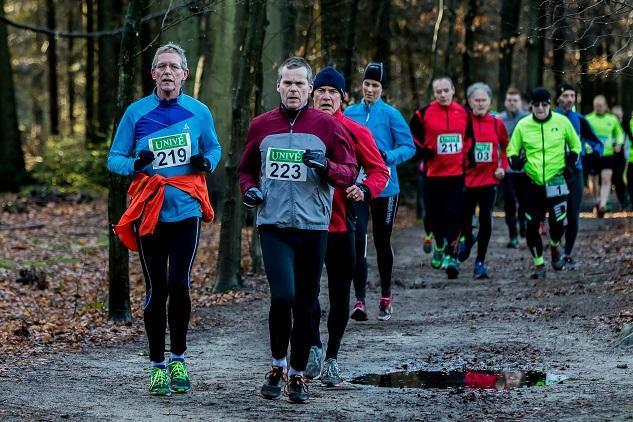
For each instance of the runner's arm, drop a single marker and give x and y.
(209, 146)
(402, 139)
(589, 136)
(120, 159)
(375, 168)
(248, 171)
(573, 140)
(516, 143)
(342, 167)
(502, 133)
(618, 133)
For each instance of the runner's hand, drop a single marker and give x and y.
(383, 154)
(315, 159)
(500, 173)
(358, 193)
(200, 163)
(144, 158)
(516, 163)
(252, 197)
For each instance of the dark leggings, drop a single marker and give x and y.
(339, 263)
(629, 179)
(293, 260)
(484, 197)
(574, 202)
(619, 164)
(383, 215)
(423, 205)
(537, 205)
(514, 185)
(176, 243)
(446, 200)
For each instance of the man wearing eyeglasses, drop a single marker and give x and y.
(167, 141)
(551, 151)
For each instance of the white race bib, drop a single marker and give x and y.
(286, 164)
(170, 150)
(449, 143)
(483, 152)
(556, 187)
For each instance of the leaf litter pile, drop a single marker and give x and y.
(54, 278)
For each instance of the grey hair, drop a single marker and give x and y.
(171, 47)
(295, 63)
(479, 86)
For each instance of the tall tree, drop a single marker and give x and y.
(380, 31)
(338, 28)
(450, 37)
(251, 21)
(510, 11)
(435, 43)
(90, 72)
(109, 16)
(536, 44)
(12, 171)
(559, 40)
(469, 42)
(119, 306)
(70, 72)
(51, 57)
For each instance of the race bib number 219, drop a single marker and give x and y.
(171, 150)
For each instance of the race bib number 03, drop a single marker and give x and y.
(449, 143)
(556, 187)
(483, 152)
(286, 164)
(171, 150)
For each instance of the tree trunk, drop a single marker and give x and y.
(559, 39)
(469, 42)
(450, 45)
(205, 53)
(380, 31)
(250, 28)
(108, 17)
(119, 309)
(434, 45)
(536, 44)
(350, 45)
(70, 73)
(12, 171)
(148, 32)
(51, 57)
(90, 72)
(587, 50)
(510, 11)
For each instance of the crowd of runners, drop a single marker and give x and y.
(316, 173)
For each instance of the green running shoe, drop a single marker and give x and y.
(178, 376)
(436, 258)
(452, 268)
(445, 261)
(159, 382)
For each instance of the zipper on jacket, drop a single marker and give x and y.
(368, 113)
(292, 122)
(543, 150)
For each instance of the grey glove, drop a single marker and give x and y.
(252, 197)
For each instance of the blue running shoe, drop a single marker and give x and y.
(465, 246)
(480, 271)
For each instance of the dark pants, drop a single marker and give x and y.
(339, 262)
(514, 185)
(629, 179)
(619, 164)
(484, 197)
(445, 208)
(537, 206)
(423, 203)
(383, 215)
(174, 243)
(574, 202)
(293, 260)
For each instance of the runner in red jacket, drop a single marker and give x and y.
(329, 90)
(442, 131)
(490, 142)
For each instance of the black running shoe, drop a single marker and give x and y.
(539, 272)
(275, 379)
(297, 390)
(557, 259)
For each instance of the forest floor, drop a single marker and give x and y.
(62, 360)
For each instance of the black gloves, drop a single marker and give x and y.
(570, 164)
(383, 154)
(366, 192)
(315, 159)
(198, 162)
(516, 163)
(144, 158)
(252, 197)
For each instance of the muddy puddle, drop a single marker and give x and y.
(499, 380)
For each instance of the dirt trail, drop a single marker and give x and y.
(508, 322)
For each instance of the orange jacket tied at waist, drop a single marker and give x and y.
(147, 195)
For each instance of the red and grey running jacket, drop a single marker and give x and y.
(296, 196)
(489, 151)
(447, 132)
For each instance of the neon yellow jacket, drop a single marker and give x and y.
(545, 144)
(607, 128)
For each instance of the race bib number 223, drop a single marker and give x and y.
(286, 164)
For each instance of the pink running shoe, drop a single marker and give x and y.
(384, 308)
(359, 313)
